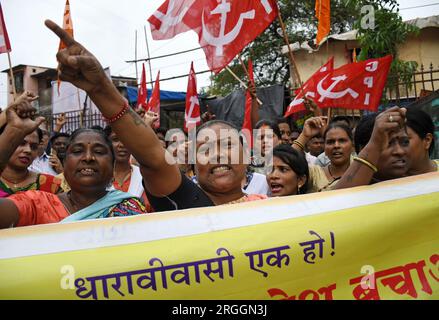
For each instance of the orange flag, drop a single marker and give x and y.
(68, 26)
(323, 14)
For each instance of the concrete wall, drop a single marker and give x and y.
(29, 83)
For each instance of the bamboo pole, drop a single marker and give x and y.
(135, 58)
(241, 82)
(81, 115)
(149, 57)
(290, 52)
(14, 89)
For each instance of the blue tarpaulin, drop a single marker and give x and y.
(164, 95)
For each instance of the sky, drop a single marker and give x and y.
(107, 28)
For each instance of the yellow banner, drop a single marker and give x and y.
(374, 242)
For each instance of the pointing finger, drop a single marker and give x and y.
(61, 33)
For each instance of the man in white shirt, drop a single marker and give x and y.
(41, 164)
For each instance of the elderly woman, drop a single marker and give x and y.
(219, 179)
(89, 171)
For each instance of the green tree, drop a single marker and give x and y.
(270, 65)
(388, 31)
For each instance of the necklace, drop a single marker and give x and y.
(16, 183)
(240, 200)
(127, 176)
(72, 203)
(330, 173)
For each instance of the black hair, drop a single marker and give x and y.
(364, 130)
(271, 124)
(161, 130)
(107, 130)
(283, 120)
(317, 136)
(58, 135)
(97, 127)
(339, 125)
(421, 123)
(211, 123)
(101, 133)
(40, 134)
(341, 119)
(38, 130)
(295, 160)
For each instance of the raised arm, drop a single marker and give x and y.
(255, 104)
(19, 125)
(60, 122)
(361, 171)
(312, 127)
(79, 67)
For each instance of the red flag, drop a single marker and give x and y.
(192, 114)
(228, 26)
(67, 24)
(247, 124)
(142, 94)
(5, 45)
(173, 17)
(154, 102)
(309, 89)
(224, 27)
(354, 86)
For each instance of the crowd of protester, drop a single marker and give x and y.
(129, 168)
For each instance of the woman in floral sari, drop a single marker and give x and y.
(88, 170)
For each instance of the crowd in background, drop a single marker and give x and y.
(125, 168)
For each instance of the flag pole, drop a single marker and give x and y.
(135, 55)
(241, 82)
(290, 52)
(248, 76)
(81, 115)
(14, 90)
(149, 56)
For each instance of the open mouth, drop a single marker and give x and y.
(220, 169)
(87, 171)
(400, 163)
(276, 188)
(337, 154)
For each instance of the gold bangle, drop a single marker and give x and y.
(365, 162)
(299, 144)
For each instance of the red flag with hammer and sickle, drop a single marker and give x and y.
(355, 85)
(192, 114)
(309, 88)
(224, 27)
